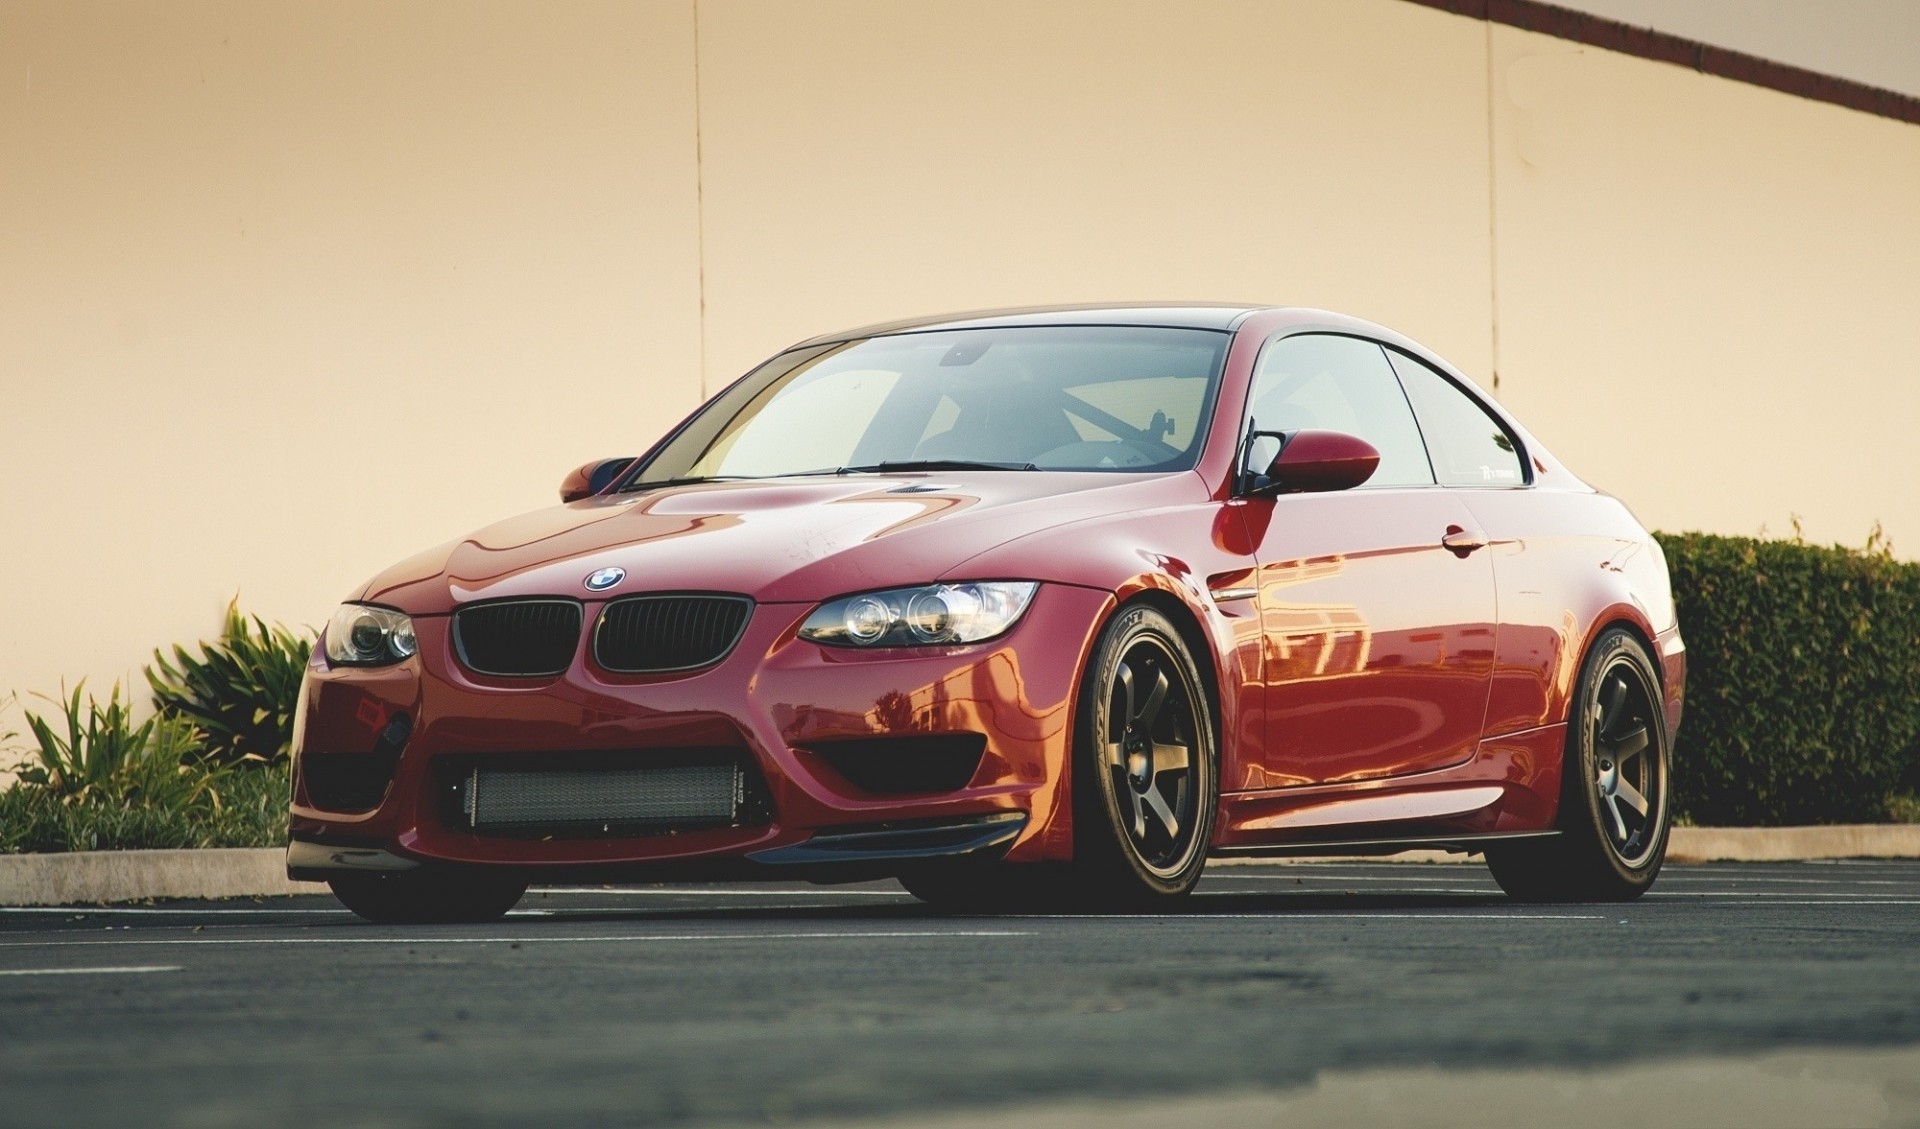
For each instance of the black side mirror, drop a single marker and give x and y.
(588, 479)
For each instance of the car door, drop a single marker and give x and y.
(1378, 633)
(1539, 542)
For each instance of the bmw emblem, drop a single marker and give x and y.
(600, 580)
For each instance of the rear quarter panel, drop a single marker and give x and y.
(1568, 564)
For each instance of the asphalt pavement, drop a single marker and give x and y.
(799, 1004)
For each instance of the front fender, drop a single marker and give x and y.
(1177, 557)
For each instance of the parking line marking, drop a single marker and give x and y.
(1281, 916)
(589, 891)
(1324, 892)
(529, 939)
(1809, 897)
(89, 971)
(94, 911)
(1809, 902)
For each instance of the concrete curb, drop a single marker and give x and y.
(91, 877)
(1788, 844)
(130, 876)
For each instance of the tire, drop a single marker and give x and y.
(1145, 769)
(429, 895)
(1615, 795)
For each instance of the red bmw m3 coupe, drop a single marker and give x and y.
(1042, 606)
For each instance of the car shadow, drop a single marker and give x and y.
(1277, 905)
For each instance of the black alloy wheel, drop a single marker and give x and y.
(1145, 772)
(1614, 799)
(429, 895)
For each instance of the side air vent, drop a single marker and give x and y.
(659, 634)
(892, 766)
(348, 781)
(517, 638)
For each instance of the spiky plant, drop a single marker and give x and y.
(98, 756)
(239, 691)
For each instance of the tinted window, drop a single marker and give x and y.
(1469, 447)
(1338, 384)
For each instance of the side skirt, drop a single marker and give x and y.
(1455, 844)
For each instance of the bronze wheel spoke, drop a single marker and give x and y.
(1629, 795)
(1613, 696)
(1157, 803)
(1630, 744)
(1156, 698)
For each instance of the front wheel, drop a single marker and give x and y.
(1614, 804)
(429, 895)
(1144, 771)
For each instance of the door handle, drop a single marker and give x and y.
(1463, 541)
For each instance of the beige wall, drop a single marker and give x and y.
(867, 158)
(291, 290)
(1707, 292)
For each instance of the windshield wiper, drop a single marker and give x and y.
(933, 464)
(690, 480)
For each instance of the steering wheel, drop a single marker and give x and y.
(1105, 455)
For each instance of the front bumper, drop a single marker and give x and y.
(837, 854)
(775, 702)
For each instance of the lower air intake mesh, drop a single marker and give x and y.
(602, 800)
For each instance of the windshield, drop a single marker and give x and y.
(1084, 398)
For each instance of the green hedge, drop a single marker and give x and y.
(1803, 682)
(252, 812)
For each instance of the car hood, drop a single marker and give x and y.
(785, 540)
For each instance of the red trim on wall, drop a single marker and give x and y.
(1645, 43)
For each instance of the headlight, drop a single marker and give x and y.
(363, 635)
(916, 617)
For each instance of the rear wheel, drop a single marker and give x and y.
(1145, 762)
(429, 895)
(1614, 810)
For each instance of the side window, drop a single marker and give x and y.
(1469, 447)
(1338, 384)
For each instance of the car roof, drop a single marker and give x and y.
(1174, 315)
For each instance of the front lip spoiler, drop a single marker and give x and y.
(319, 861)
(979, 835)
(841, 854)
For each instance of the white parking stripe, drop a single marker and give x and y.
(529, 939)
(1282, 916)
(1323, 891)
(88, 971)
(1301, 879)
(1783, 901)
(590, 891)
(1808, 897)
(184, 911)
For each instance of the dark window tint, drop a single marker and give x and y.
(1338, 384)
(1469, 447)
